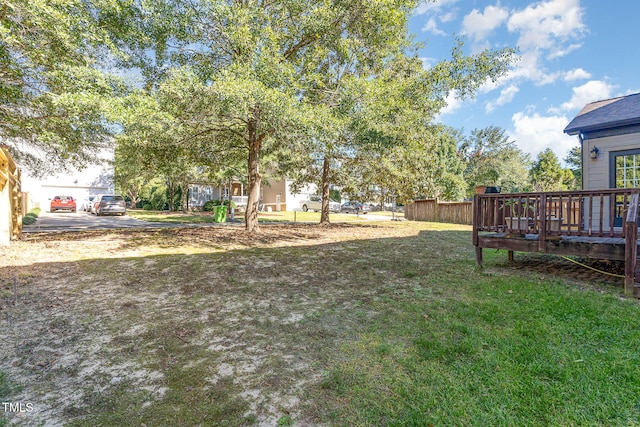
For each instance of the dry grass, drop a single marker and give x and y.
(361, 324)
(126, 324)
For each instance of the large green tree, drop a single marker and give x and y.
(255, 59)
(53, 89)
(429, 166)
(493, 160)
(380, 123)
(161, 138)
(547, 174)
(267, 67)
(574, 162)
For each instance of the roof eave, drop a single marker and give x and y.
(612, 125)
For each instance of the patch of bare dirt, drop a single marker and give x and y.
(593, 274)
(95, 314)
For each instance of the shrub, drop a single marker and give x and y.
(158, 198)
(210, 205)
(31, 217)
(147, 207)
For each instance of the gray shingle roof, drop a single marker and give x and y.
(606, 114)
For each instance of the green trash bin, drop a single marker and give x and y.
(220, 214)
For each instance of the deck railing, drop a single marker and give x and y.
(608, 216)
(593, 213)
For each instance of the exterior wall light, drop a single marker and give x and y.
(594, 153)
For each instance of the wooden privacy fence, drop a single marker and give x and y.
(11, 209)
(434, 211)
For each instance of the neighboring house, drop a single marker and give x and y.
(278, 195)
(275, 195)
(96, 178)
(199, 194)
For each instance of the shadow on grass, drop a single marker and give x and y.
(369, 329)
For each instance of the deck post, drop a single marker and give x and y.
(542, 216)
(476, 227)
(476, 219)
(631, 246)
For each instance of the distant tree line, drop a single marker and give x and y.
(443, 164)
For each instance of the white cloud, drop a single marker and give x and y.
(433, 7)
(535, 133)
(432, 26)
(542, 25)
(448, 17)
(453, 104)
(576, 74)
(545, 30)
(559, 51)
(428, 62)
(479, 25)
(527, 67)
(548, 78)
(506, 96)
(593, 90)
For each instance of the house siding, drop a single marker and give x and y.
(294, 201)
(287, 199)
(80, 184)
(597, 172)
(276, 195)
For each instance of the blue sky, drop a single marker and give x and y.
(571, 52)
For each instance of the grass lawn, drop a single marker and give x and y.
(361, 324)
(172, 217)
(264, 217)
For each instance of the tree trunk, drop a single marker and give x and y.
(171, 195)
(133, 195)
(255, 180)
(185, 197)
(324, 217)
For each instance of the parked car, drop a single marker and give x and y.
(353, 207)
(314, 203)
(92, 206)
(109, 204)
(59, 203)
(86, 203)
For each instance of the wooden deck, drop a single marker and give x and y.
(597, 224)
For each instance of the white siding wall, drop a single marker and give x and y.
(294, 200)
(596, 172)
(95, 179)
